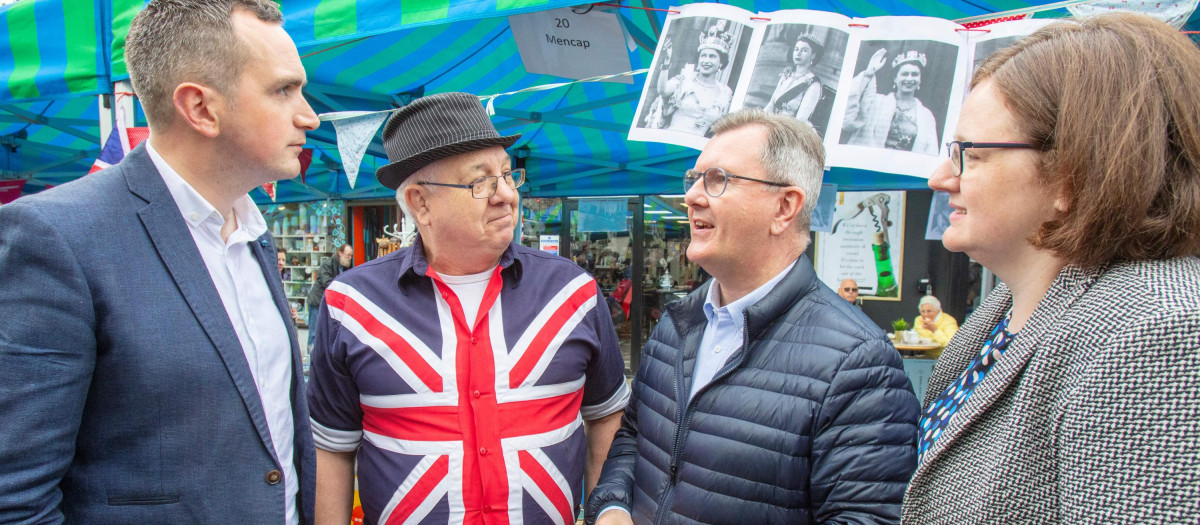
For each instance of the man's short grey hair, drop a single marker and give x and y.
(408, 215)
(929, 299)
(793, 153)
(421, 175)
(176, 41)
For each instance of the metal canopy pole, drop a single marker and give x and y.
(637, 308)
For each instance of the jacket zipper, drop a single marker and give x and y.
(681, 424)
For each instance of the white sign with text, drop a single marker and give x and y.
(574, 45)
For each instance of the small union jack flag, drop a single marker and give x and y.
(118, 144)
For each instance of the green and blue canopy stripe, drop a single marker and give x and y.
(47, 154)
(121, 13)
(326, 21)
(44, 53)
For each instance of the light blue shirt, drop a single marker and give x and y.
(726, 329)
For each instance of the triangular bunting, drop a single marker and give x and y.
(306, 156)
(354, 134)
(111, 154)
(117, 145)
(269, 189)
(137, 136)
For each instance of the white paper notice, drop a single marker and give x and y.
(567, 44)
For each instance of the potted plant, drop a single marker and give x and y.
(903, 332)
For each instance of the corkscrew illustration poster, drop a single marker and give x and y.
(866, 243)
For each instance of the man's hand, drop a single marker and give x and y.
(614, 517)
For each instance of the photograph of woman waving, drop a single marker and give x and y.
(897, 119)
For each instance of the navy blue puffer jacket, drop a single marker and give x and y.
(812, 421)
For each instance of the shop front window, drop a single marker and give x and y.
(308, 232)
(649, 262)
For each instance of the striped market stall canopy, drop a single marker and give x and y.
(55, 55)
(48, 54)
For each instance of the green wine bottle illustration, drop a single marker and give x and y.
(886, 286)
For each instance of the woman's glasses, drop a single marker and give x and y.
(955, 150)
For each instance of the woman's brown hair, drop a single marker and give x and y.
(1114, 102)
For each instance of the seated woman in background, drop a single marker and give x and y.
(1072, 394)
(934, 324)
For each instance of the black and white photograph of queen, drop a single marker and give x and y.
(797, 71)
(899, 95)
(697, 64)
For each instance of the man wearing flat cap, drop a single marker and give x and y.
(473, 380)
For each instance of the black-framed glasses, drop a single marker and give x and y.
(715, 180)
(955, 150)
(484, 187)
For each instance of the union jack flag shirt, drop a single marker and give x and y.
(475, 422)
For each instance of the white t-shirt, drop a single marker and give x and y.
(470, 290)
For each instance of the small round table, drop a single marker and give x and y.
(915, 349)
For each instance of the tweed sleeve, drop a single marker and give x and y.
(1129, 435)
(864, 445)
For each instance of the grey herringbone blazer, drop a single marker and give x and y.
(1091, 416)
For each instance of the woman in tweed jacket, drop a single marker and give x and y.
(1073, 394)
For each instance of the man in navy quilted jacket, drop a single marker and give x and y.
(762, 397)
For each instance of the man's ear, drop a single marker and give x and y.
(199, 107)
(789, 201)
(415, 197)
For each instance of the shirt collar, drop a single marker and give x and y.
(416, 265)
(735, 309)
(196, 209)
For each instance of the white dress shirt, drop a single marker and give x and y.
(238, 276)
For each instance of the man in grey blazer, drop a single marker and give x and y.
(148, 373)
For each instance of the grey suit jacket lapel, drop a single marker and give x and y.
(167, 230)
(1070, 284)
